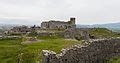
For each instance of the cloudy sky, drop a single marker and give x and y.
(36, 11)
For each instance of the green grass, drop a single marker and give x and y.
(52, 44)
(103, 32)
(8, 50)
(115, 60)
(49, 44)
(12, 50)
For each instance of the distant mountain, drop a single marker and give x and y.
(82, 26)
(4, 27)
(111, 26)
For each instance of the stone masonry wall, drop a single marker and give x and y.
(94, 51)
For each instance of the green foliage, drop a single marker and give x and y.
(33, 33)
(114, 60)
(26, 57)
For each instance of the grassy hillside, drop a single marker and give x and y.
(103, 33)
(11, 51)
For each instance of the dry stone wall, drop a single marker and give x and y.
(94, 51)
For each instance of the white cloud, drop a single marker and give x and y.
(86, 11)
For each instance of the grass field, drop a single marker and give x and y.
(11, 51)
(103, 33)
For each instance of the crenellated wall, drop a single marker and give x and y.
(94, 51)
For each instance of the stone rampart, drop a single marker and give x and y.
(94, 51)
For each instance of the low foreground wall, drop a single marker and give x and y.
(94, 51)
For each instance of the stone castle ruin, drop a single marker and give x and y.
(94, 51)
(24, 29)
(56, 25)
(59, 24)
(69, 30)
(77, 33)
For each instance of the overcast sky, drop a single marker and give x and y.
(36, 11)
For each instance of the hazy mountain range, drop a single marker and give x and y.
(109, 25)
(4, 27)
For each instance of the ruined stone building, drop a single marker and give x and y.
(59, 24)
(1, 34)
(77, 33)
(23, 29)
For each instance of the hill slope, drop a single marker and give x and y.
(111, 26)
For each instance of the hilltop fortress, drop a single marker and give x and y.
(95, 46)
(50, 25)
(59, 24)
(66, 29)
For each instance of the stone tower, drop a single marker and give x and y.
(72, 21)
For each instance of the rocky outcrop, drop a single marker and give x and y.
(94, 51)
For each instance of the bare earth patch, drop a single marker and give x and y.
(30, 42)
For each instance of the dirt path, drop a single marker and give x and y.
(30, 42)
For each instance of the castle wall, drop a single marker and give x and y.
(72, 21)
(94, 51)
(59, 24)
(44, 25)
(76, 33)
(55, 25)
